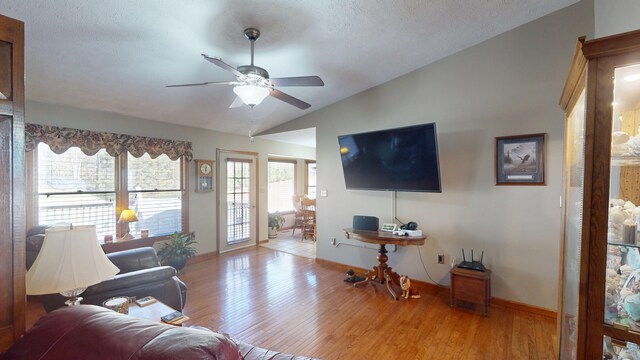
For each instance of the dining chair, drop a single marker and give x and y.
(298, 218)
(308, 218)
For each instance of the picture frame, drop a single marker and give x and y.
(520, 160)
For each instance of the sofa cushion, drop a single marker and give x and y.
(134, 259)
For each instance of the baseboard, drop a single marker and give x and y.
(495, 302)
(263, 241)
(341, 266)
(514, 305)
(202, 257)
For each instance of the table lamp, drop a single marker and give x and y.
(70, 260)
(127, 216)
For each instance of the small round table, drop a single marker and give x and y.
(382, 272)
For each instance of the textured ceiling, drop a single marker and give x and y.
(118, 55)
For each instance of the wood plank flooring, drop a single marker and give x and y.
(295, 305)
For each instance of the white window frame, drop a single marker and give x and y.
(121, 190)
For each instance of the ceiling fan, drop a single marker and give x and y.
(252, 82)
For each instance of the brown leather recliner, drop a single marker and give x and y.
(91, 332)
(140, 275)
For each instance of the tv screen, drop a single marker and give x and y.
(401, 159)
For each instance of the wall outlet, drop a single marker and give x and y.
(440, 258)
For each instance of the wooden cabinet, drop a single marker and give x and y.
(599, 303)
(12, 213)
(471, 286)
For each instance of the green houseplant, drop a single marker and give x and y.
(177, 250)
(275, 222)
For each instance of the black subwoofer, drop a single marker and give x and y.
(362, 222)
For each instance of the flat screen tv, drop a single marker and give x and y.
(401, 159)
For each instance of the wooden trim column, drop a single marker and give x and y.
(12, 187)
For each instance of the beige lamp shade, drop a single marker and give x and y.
(128, 215)
(69, 259)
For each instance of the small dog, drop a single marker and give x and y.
(405, 285)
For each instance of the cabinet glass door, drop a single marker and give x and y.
(573, 205)
(622, 279)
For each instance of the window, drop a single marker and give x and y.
(238, 201)
(81, 189)
(281, 185)
(310, 178)
(155, 194)
(76, 188)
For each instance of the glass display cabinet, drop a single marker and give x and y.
(599, 304)
(12, 179)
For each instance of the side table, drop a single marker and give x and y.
(151, 312)
(471, 286)
(382, 273)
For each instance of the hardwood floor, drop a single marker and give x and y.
(292, 244)
(292, 304)
(295, 305)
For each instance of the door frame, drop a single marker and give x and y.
(219, 157)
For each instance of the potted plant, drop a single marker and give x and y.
(275, 222)
(177, 250)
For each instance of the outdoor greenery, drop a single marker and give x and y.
(279, 171)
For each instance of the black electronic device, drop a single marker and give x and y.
(401, 159)
(472, 265)
(353, 278)
(409, 226)
(363, 222)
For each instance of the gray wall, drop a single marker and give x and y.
(616, 16)
(508, 85)
(202, 206)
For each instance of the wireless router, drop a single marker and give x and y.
(472, 265)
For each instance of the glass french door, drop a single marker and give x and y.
(237, 205)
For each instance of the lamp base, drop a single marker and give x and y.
(74, 299)
(126, 237)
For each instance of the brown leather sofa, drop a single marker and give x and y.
(92, 332)
(140, 275)
(33, 243)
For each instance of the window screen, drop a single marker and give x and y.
(155, 194)
(76, 188)
(281, 186)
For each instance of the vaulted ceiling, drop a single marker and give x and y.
(118, 55)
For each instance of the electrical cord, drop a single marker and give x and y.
(422, 261)
(424, 267)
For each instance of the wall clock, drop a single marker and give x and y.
(204, 175)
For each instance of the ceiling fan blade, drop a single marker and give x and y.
(289, 99)
(200, 84)
(236, 103)
(298, 81)
(222, 64)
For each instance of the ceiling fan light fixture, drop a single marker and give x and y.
(250, 94)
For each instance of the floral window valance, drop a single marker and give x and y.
(90, 142)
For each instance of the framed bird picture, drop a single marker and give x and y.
(520, 160)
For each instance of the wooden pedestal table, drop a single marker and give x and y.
(383, 273)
